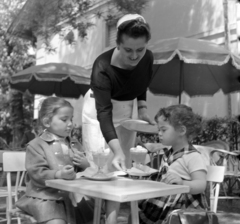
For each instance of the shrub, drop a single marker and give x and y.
(225, 129)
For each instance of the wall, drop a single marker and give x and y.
(168, 19)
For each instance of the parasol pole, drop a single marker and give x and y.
(227, 45)
(180, 82)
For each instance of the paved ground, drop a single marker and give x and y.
(227, 213)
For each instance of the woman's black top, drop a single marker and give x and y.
(110, 82)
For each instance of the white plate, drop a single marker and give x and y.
(136, 172)
(139, 126)
(109, 177)
(119, 173)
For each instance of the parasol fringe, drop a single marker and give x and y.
(58, 79)
(191, 96)
(198, 61)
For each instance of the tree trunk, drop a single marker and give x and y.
(17, 117)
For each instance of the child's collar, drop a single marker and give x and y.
(187, 149)
(50, 137)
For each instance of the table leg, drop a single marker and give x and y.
(97, 211)
(134, 211)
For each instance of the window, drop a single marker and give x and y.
(111, 35)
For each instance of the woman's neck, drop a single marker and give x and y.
(117, 61)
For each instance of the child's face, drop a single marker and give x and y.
(61, 123)
(167, 133)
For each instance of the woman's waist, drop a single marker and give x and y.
(117, 99)
(121, 97)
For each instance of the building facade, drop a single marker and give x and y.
(203, 19)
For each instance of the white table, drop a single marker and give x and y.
(119, 190)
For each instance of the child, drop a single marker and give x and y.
(182, 164)
(52, 155)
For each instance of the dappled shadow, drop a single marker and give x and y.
(84, 51)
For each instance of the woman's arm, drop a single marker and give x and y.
(102, 88)
(104, 115)
(119, 157)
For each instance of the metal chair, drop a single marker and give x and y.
(15, 162)
(231, 177)
(215, 175)
(217, 144)
(231, 161)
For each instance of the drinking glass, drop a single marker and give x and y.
(138, 157)
(100, 158)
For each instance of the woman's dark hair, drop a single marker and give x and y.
(182, 115)
(133, 28)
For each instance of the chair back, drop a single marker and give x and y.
(14, 162)
(217, 144)
(215, 174)
(205, 151)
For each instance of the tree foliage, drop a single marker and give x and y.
(15, 107)
(21, 23)
(131, 6)
(46, 18)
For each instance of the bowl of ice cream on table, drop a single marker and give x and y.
(138, 156)
(100, 159)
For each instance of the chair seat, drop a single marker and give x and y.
(4, 193)
(231, 173)
(24, 215)
(13, 188)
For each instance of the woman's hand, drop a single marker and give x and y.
(172, 178)
(119, 158)
(142, 115)
(119, 161)
(80, 160)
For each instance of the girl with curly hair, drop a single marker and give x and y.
(182, 164)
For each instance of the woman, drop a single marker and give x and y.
(119, 81)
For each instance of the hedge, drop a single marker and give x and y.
(225, 129)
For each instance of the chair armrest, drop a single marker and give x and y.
(223, 151)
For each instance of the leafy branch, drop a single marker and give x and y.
(48, 18)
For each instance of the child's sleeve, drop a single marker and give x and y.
(195, 162)
(37, 166)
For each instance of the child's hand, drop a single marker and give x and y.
(80, 160)
(67, 173)
(172, 178)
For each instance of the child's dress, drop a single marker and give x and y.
(42, 202)
(183, 163)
